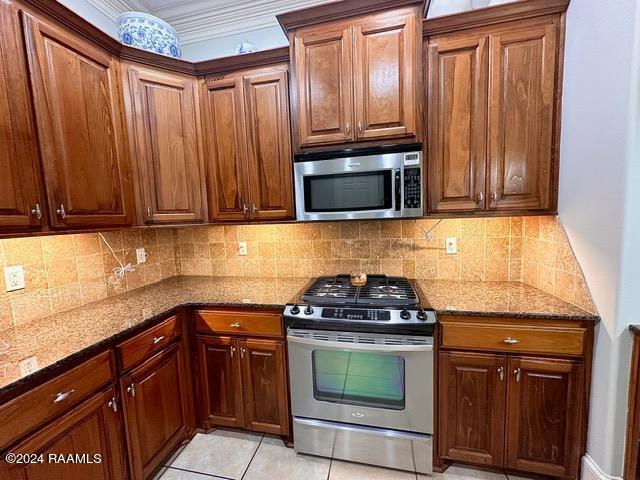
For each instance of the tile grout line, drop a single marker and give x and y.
(252, 457)
(194, 471)
(330, 464)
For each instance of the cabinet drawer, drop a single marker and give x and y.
(239, 322)
(141, 346)
(43, 403)
(514, 338)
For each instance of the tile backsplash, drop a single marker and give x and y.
(65, 271)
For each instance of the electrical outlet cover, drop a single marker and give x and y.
(28, 366)
(14, 278)
(451, 245)
(242, 248)
(141, 255)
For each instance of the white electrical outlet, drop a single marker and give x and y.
(28, 366)
(14, 278)
(141, 255)
(242, 248)
(451, 245)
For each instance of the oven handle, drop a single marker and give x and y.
(360, 346)
(360, 429)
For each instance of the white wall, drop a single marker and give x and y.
(598, 202)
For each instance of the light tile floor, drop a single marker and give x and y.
(228, 454)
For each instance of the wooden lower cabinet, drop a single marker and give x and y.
(90, 433)
(243, 384)
(155, 403)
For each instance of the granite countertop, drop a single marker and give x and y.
(65, 336)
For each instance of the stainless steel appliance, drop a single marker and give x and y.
(375, 182)
(361, 371)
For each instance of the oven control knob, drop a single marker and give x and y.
(421, 315)
(405, 315)
(308, 310)
(295, 310)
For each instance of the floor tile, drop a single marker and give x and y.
(355, 471)
(175, 474)
(458, 472)
(275, 461)
(223, 453)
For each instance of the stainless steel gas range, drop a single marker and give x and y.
(361, 371)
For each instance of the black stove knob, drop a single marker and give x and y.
(405, 315)
(295, 310)
(422, 315)
(308, 310)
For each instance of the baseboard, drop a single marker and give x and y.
(591, 470)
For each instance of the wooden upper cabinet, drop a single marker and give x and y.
(385, 71)
(225, 149)
(20, 203)
(269, 145)
(76, 89)
(544, 414)
(471, 407)
(521, 116)
(324, 85)
(166, 145)
(457, 71)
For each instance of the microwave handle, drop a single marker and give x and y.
(398, 187)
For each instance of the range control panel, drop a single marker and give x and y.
(412, 188)
(356, 314)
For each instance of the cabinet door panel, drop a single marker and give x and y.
(170, 166)
(269, 145)
(18, 143)
(220, 386)
(264, 387)
(385, 69)
(543, 415)
(155, 401)
(472, 401)
(225, 149)
(77, 102)
(324, 86)
(521, 116)
(457, 71)
(90, 429)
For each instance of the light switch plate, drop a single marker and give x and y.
(141, 255)
(14, 278)
(242, 248)
(451, 245)
(28, 366)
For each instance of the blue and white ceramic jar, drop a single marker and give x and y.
(141, 30)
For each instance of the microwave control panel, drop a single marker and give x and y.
(412, 188)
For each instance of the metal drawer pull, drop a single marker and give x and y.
(60, 211)
(131, 389)
(511, 341)
(158, 339)
(235, 325)
(517, 373)
(501, 372)
(113, 405)
(62, 396)
(36, 212)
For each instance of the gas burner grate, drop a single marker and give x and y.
(379, 290)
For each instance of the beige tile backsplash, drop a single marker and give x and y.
(66, 271)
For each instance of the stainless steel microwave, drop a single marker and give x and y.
(376, 182)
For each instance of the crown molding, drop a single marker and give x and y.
(113, 8)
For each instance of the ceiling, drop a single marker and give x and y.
(199, 20)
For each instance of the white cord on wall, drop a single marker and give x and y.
(122, 270)
(427, 233)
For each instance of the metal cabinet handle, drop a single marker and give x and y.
(348, 128)
(494, 196)
(480, 197)
(359, 126)
(517, 372)
(235, 325)
(36, 212)
(245, 208)
(113, 404)
(501, 373)
(148, 211)
(158, 339)
(131, 389)
(242, 352)
(62, 396)
(511, 341)
(233, 350)
(60, 211)
(254, 209)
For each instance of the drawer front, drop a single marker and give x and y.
(147, 343)
(45, 402)
(519, 339)
(239, 322)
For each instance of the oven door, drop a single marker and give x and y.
(349, 188)
(367, 379)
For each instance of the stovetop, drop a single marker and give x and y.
(380, 290)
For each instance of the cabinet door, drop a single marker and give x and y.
(76, 91)
(170, 166)
(521, 116)
(225, 149)
(385, 75)
(18, 144)
(457, 105)
(472, 390)
(91, 432)
(324, 86)
(264, 387)
(220, 386)
(543, 416)
(155, 404)
(269, 145)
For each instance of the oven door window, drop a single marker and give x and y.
(359, 378)
(347, 192)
